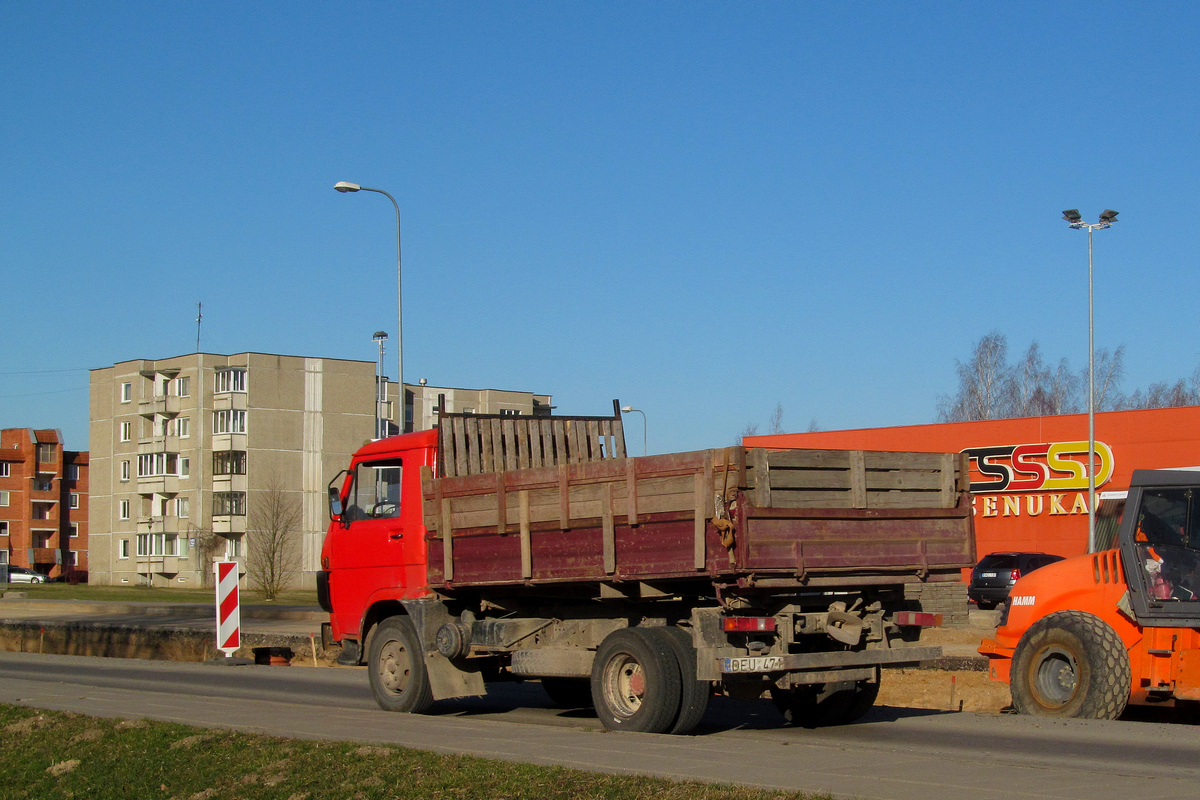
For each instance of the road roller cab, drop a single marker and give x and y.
(1087, 636)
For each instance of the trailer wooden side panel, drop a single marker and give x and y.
(711, 515)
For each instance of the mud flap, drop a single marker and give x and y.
(447, 680)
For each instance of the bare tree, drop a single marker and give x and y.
(777, 419)
(983, 388)
(1026, 384)
(1110, 368)
(207, 544)
(750, 430)
(273, 554)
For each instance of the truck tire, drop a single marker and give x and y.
(568, 692)
(694, 694)
(396, 667)
(635, 682)
(829, 704)
(1071, 664)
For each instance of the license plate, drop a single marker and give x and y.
(753, 664)
(987, 574)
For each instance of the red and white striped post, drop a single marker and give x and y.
(229, 617)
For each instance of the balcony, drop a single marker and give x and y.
(229, 441)
(227, 524)
(229, 483)
(158, 525)
(158, 405)
(229, 400)
(158, 484)
(165, 565)
(158, 444)
(43, 555)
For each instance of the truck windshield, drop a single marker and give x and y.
(1168, 543)
(375, 492)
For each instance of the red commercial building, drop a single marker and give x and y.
(43, 502)
(1029, 476)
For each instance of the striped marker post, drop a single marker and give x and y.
(229, 617)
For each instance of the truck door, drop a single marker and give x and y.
(375, 549)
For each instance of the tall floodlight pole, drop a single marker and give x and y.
(343, 186)
(1073, 218)
(631, 409)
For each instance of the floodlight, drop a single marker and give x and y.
(1109, 216)
(1070, 215)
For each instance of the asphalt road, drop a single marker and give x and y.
(898, 754)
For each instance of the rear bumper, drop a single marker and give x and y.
(989, 594)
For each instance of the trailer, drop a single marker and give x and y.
(520, 548)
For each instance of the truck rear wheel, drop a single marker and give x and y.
(694, 694)
(396, 666)
(829, 704)
(635, 682)
(1071, 664)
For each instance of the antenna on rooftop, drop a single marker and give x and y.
(199, 316)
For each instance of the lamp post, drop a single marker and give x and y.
(1071, 215)
(343, 186)
(630, 409)
(380, 392)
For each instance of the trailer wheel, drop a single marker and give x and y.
(829, 704)
(1071, 664)
(694, 693)
(568, 692)
(635, 682)
(396, 666)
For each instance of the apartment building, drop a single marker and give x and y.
(422, 401)
(182, 449)
(43, 502)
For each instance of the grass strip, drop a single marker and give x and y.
(48, 754)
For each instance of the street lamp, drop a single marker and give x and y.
(344, 186)
(630, 409)
(380, 392)
(1071, 215)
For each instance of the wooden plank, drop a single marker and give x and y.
(522, 436)
(559, 430)
(526, 552)
(486, 459)
(564, 498)
(594, 450)
(508, 433)
(535, 444)
(460, 455)
(501, 505)
(858, 480)
(472, 430)
(619, 437)
(702, 498)
(709, 490)
(762, 477)
(631, 491)
(811, 459)
(447, 532)
(607, 531)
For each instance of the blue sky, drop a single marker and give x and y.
(703, 209)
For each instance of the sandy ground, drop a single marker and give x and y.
(968, 690)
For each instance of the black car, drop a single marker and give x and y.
(995, 574)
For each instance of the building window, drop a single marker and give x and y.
(231, 380)
(124, 509)
(4, 469)
(123, 549)
(3, 498)
(156, 464)
(43, 484)
(4, 529)
(126, 392)
(46, 453)
(229, 421)
(233, 547)
(74, 534)
(72, 472)
(226, 504)
(41, 539)
(181, 427)
(126, 431)
(74, 500)
(229, 462)
(183, 387)
(185, 467)
(182, 507)
(124, 471)
(72, 559)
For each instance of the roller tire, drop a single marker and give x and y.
(568, 692)
(396, 667)
(694, 694)
(635, 682)
(1071, 664)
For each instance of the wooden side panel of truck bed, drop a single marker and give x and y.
(799, 517)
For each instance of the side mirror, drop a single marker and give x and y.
(335, 503)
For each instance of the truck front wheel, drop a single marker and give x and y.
(1071, 664)
(635, 682)
(396, 666)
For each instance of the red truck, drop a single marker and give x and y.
(512, 548)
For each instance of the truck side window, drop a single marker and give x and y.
(375, 493)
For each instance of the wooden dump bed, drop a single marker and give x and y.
(792, 517)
